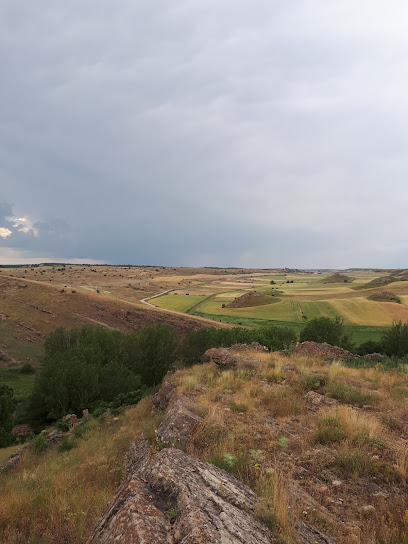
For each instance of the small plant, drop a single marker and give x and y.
(283, 442)
(312, 382)
(230, 460)
(329, 431)
(172, 513)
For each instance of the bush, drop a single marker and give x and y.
(395, 340)
(62, 426)
(312, 382)
(40, 443)
(325, 329)
(329, 430)
(27, 368)
(369, 347)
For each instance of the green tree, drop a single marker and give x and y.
(326, 329)
(8, 404)
(395, 340)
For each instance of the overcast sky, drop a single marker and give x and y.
(259, 133)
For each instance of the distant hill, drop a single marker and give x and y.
(338, 278)
(384, 296)
(253, 298)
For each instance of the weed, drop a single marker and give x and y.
(329, 430)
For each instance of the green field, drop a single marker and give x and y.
(306, 298)
(178, 303)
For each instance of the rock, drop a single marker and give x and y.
(324, 351)
(162, 398)
(85, 414)
(310, 535)
(54, 436)
(337, 483)
(368, 509)
(21, 430)
(234, 357)
(253, 346)
(12, 461)
(179, 424)
(71, 419)
(315, 401)
(211, 506)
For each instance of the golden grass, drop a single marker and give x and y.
(58, 497)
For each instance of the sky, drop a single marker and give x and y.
(268, 133)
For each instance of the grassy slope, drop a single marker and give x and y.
(56, 497)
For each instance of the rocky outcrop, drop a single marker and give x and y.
(234, 357)
(324, 351)
(170, 498)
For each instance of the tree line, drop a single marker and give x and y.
(91, 367)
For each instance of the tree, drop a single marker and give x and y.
(8, 404)
(325, 329)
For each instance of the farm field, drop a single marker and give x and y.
(34, 300)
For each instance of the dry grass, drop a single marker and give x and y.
(58, 497)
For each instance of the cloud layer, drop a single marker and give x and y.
(205, 132)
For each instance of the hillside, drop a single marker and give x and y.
(289, 448)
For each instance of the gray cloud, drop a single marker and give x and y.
(206, 132)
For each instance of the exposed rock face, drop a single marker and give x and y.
(208, 505)
(253, 346)
(179, 425)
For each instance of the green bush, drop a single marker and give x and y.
(395, 340)
(329, 431)
(40, 443)
(27, 368)
(312, 382)
(62, 426)
(326, 329)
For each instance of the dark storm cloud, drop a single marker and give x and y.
(205, 132)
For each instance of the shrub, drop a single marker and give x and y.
(40, 443)
(27, 368)
(325, 329)
(62, 426)
(329, 430)
(369, 347)
(312, 382)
